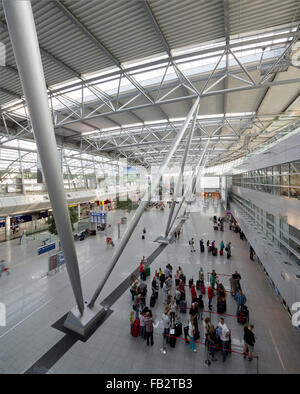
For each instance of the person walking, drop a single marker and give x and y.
(224, 335)
(149, 328)
(3, 268)
(228, 250)
(240, 299)
(191, 242)
(251, 251)
(249, 341)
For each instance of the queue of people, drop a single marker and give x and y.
(174, 298)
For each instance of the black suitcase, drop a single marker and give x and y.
(178, 329)
(172, 338)
(152, 301)
(186, 333)
(182, 306)
(143, 236)
(221, 307)
(215, 252)
(182, 296)
(202, 248)
(191, 282)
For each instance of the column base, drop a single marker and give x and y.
(82, 324)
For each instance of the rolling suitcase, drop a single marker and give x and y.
(152, 301)
(186, 333)
(136, 328)
(202, 248)
(221, 307)
(221, 252)
(178, 329)
(191, 282)
(143, 236)
(182, 306)
(243, 316)
(172, 338)
(215, 251)
(147, 270)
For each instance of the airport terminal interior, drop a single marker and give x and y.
(150, 187)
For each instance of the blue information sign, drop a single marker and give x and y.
(97, 217)
(46, 248)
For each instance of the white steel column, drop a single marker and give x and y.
(7, 228)
(24, 41)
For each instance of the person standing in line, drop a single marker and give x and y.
(131, 319)
(141, 270)
(201, 244)
(206, 325)
(224, 335)
(222, 246)
(193, 292)
(249, 341)
(210, 294)
(136, 304)
(149, 328)
(173, 311)
(166, 292)
(240, 299)
(211, 341)
(166, 325)
(142, 325)
(191, 333)
(177, 297)
(237, 277)
(233, 285)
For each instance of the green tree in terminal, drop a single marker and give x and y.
(73, 217)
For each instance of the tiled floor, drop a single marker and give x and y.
(35, 302)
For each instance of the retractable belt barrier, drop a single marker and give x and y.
(217, 313)
(226, 291)
(214, 346)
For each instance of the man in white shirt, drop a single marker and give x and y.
(224, 334)
(166, 324)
